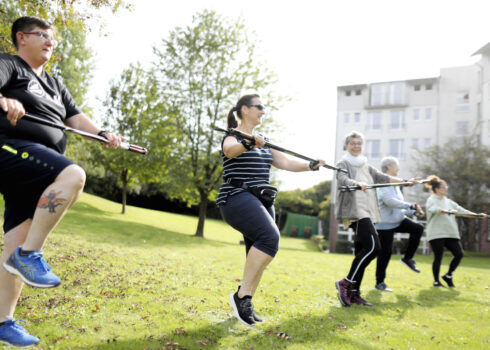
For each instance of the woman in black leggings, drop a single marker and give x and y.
(442, 229)
(359, 211)
(246, 168)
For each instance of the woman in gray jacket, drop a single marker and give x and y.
(358, 210)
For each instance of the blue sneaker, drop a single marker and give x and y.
(33, 270)
(12, 333)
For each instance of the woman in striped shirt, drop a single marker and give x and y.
(246, 165)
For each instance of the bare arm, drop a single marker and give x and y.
(84, 123)
(281, 161)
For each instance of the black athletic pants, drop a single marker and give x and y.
(386, 239)
(366, 248)
(454, 246)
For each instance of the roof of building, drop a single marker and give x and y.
(484, 50)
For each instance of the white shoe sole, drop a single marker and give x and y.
(235, 310)
(16, 346)
(14, 271)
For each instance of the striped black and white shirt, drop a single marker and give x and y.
(251, 167)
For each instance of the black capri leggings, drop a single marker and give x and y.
(245, 213)
(366, 248)
(454, 246)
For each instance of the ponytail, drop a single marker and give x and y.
(231, 121)
(435, 182)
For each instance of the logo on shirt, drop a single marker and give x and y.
(36, 89)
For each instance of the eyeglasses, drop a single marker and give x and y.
(45, 36)
(355, 143)
(259, 107)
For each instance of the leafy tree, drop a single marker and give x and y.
(202, 70)
(464, 164)
(133, 111)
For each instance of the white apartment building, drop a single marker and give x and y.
(400, 117)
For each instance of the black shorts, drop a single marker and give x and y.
(26, 169)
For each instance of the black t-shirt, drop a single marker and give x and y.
(42, 96)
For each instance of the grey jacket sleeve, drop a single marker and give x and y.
(342, 178)
(378, 176)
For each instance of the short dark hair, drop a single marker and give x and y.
(26, 24)
(245, 100)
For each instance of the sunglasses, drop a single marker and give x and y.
(259, 107)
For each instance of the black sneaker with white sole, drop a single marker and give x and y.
(410, 263)
(255, 316)
(449, 280)
(243, 309)
(437, 284)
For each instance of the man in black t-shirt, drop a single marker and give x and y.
(39, 184)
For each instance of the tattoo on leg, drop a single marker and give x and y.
(50, 201)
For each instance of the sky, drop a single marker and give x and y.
(313, 46)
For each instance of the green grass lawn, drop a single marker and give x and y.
(143, 281)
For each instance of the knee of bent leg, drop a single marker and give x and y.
(269, 242)
(74, 176)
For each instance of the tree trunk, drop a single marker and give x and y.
(124, 180)
(203, 205)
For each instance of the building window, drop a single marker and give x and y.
(427, 142)
(428, 86)
(397, 94)
(378, 95)
(462, 128)
(383, 94)
(346, 118)
(347, 92)
(463, 101)
(374, 121)
(358, 92)
(373, 148)
(397, 120)
(428, 113)
(416, 87)
(397, 148)
(357, 117)
(416, 114)
(415, 143)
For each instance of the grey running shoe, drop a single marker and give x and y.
(382, 286)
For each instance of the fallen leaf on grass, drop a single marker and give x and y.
(281, 335)
(179, 331)
(82, 329)
(341, 326)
